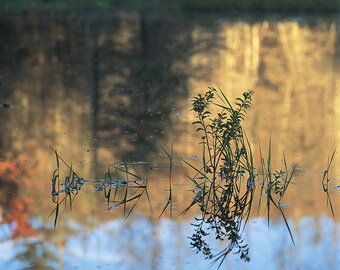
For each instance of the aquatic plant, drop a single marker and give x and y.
(227, 163)
(134, 188)
(70, 187)
(274, 185)
(224, 185)
(110, 186)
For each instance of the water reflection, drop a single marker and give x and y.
(119, 244)
(99, 87)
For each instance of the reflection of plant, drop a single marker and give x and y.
(225, 184)
(326, 181)
(274, 185)
(224, 200)
(132, 190)
(118, 189)
(70, 188)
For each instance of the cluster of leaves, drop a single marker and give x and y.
(226, 183)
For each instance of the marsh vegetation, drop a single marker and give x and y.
(224, 185)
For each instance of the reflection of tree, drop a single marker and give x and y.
(135, 68)
(131, 71)
(41, 74)
(151, 79)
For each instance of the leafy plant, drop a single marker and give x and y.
(226, 183)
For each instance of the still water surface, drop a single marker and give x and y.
(102, 87)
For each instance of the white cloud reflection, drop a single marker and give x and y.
(140, 244)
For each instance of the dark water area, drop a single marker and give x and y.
(106, 87)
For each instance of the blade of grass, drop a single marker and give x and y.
(263, 179)
(169, 201)
(325, 183)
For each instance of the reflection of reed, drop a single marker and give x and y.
(224, 185)
(326, 183)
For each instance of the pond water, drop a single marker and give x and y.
(103, 87)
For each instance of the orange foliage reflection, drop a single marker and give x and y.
(14, 207)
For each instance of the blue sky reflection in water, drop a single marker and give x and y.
(119, 244)
(98, 88)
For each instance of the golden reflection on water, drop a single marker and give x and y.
(292, 65)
